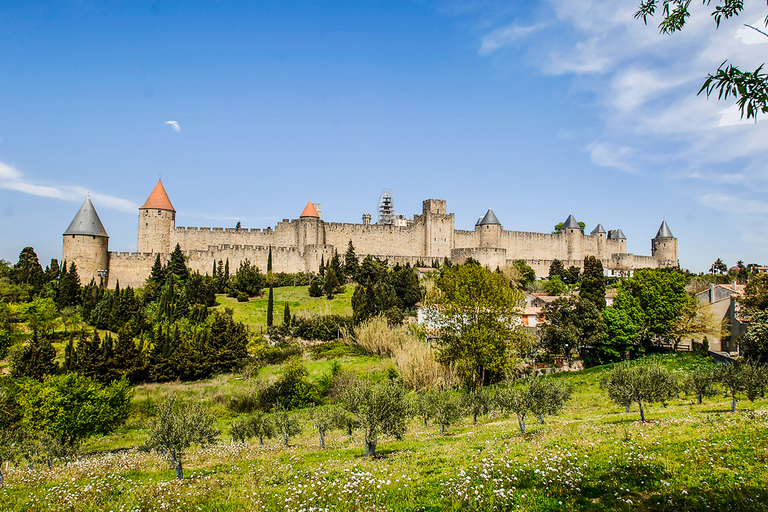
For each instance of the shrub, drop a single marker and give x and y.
(416, 364)
(242, 297)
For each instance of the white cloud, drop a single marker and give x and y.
(727, 203)
(12, 179)
(505, 36)
(609, 155)
(174, 125)
(752, 34)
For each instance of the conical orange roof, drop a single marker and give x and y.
(158, 199)
(310, 211)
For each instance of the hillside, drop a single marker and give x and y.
(592, 456)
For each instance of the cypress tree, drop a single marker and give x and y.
(593, 282)
(350, 262)
(287, 315)
(331, 283)
(36, 359)
(177, 265)
(158, 272)
(322, 266)
(270, 307)
(556, 268)
(90, 356)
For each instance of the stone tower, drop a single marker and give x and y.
(311, 230)
(86, 244)
(157, 219)
(438, 228)
(664, 247)
(490, 230)
(572, 232)
(600, 235)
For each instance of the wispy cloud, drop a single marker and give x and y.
(505, 36)
(727, 203)
(609, 155)
(13, 179)
(174, 125)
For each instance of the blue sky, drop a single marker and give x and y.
(537, 109)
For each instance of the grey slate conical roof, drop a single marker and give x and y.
(86, 222)
(664, 231)
(598, 229)
(490, 218)
(570, 223)
(617, 234)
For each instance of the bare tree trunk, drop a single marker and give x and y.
(322, 439)
(642, 414)
(442, 429)
(626, 408)
(261, 440)
(521, 423)
(179, 471)
(370, 448)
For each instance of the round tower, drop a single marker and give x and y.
(157, 220)
(572, 231)
(489, 228)
(310, 229)
(664, 247)
(86, 244)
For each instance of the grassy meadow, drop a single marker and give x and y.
(593, 456)
(254, 312)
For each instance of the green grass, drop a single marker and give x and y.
(254, 312)
(593, 456)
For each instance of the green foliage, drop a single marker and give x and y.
(700, 380)
(292, 390)
(177, 265)
(446, 409)
(287, 315)
(36, 359)
(749, 88)
(242, 297)
(315, 288)
(330, 283)
(380, 409)
(556, 268)
(324, 420)
(322, 328)
(477, 313)
(476, 402)
(28, 271)
(642, 382)
(72, 407)
(257, 425)
(559, 227)
(178, 426)
(270, 307)
(351, 264)
(647, 307)
(755, 296)
(248, 279)
(573, 323)
(527, 274)
(41, 315)
(286, 424)
(555, 286)
(593, 282)
(755, 340)
(743, 376)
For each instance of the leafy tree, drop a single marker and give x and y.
(422, 404)
(380, 409)
(743, 376)
(292, 390)
(28, 270)
(72, 407)
(178, 426)
(555, 286)
(695, 319)
(556, 268)
(476, 402)
(331, 283)
(755, 340)
(593, 282)
(314, 288)
(248, 279)
(446, 409)
(256, 425)
(572, 323)
(756, 294)
(572, 275)
(527, 274)
(89, 357)
(700, 381)
(351, 264)
(643, 382)
(286, 424)
(69, 287)
(477, 313)
(719, 267)
(41, 315)
(546, 396)
(650, 302)
(749, 87)
(514, 397)
(36, 359)
(324, 420)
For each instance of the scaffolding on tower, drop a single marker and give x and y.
(386, 209)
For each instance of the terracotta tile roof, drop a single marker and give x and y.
(158, 199)
(310, 211)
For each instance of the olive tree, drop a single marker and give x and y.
(286, 424)
(642, 382)
(743, 376)
(446, 409)
(178, 426)
(476, 402)
(514, 397)
(380, 408)
(324, 420)
(700, 381)
(547, 396)
(256, 425)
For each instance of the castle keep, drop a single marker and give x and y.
(298, 245)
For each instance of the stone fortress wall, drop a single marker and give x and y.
(299, 245)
